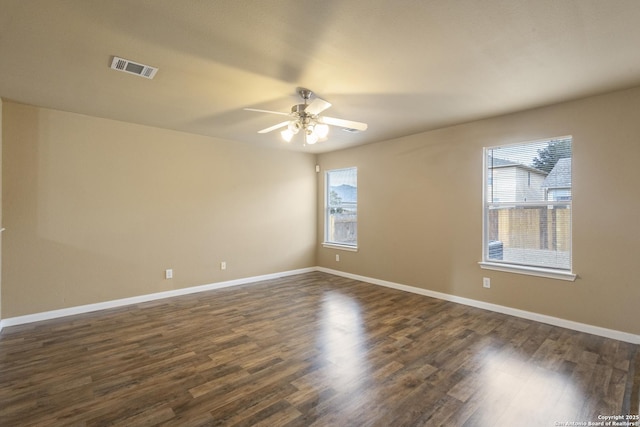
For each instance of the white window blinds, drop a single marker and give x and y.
(527, 204)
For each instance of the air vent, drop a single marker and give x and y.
(131, 67)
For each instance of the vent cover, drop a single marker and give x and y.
(131, 67)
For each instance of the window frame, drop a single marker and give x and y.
(511, 267)
(326, 242)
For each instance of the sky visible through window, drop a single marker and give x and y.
(344, 177)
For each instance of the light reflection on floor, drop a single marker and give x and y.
(342, 337)
(514, 389)
(502, 384)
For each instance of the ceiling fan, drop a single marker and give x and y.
(306, 118)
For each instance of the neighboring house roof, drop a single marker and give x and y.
(495, 162)
(560, 175)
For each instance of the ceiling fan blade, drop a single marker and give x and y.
(274, 127)
(267, 111)
(349, 124)
(317, 106)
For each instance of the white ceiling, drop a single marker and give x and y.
(401, 66)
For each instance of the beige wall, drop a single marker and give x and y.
(96, 210)
(420, 211)
(0, 209)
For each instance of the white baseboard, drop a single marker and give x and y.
(581, 327)
(47, 315)
(542, 318)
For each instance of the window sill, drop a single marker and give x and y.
(341, 247)
(531, 271)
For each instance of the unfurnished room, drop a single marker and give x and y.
(319, 213)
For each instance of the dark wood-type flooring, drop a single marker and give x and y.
(309, 350)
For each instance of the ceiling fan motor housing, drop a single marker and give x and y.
(298, 109)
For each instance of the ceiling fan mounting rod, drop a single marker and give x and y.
(304, 94)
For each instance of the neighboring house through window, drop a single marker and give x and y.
(527, 208)
(341, 208)
(558, 183)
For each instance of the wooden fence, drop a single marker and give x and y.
(531, 227)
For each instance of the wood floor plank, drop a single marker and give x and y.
(309, 350)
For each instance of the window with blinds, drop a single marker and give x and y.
(341, 212)
(527, 204)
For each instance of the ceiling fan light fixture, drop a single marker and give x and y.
(311, 138)
(294, 127)
(287, 135)
(322, 130)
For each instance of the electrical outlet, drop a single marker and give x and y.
(338, 257)
(168, 274)
(223, 265)
(486, 282)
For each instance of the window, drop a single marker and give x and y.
(527, 208)
(341, 212)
